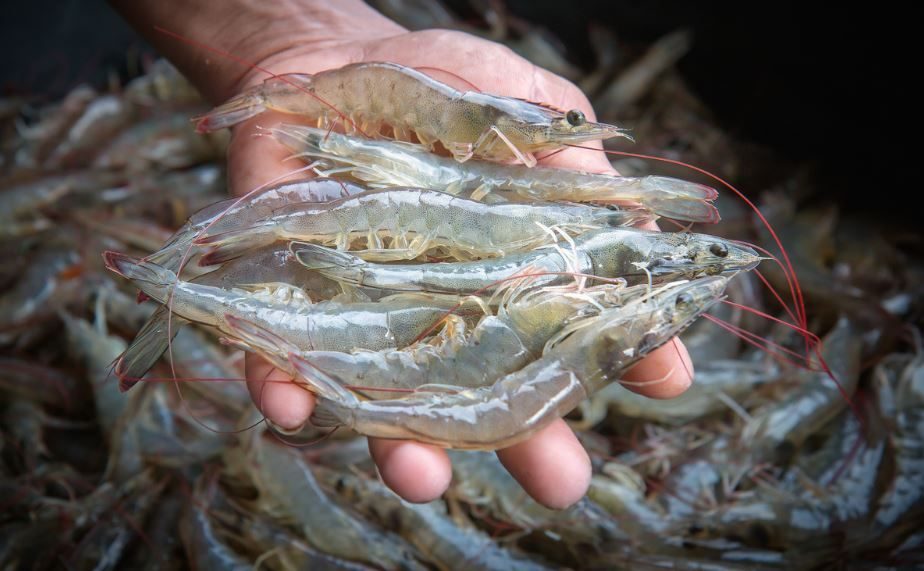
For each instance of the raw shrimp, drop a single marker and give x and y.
(638, 256)
(368, 96)
(383, 163)
(414, 221)
(578, 361)
(499, 345)
(394, 321)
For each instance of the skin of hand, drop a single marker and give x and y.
(552, 466)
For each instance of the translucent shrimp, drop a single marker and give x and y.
(383, 163)
(638, 256)
(412, 221)
(499, 344)
(369, 96)
(394, 321)
(578, 361)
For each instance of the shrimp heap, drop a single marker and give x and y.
(430, 281)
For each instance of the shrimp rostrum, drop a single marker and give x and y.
(577, 362)
(365, 97)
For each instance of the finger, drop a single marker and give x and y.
(665, 373)
(552, 466)
(283, 402)
(417, 472)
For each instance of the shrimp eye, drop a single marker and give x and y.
(575, 118)
(647, 344)
(720, 250)
(683, 299)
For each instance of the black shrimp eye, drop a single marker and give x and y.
(683, 299)
(720, 250)
(647, 343)
(575, 118)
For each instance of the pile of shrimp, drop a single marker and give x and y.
(515, 290)
(423, 271)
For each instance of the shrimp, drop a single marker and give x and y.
(369, 96)
(499, 345)
(383, 163)
(415, 221)
(577, 362)
(638, 256)
(393, 321)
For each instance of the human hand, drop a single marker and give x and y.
(552, 466)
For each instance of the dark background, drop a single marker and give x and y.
(835, 88)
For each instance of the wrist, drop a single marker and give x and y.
(216, 44)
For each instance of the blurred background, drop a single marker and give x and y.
(811, 115)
